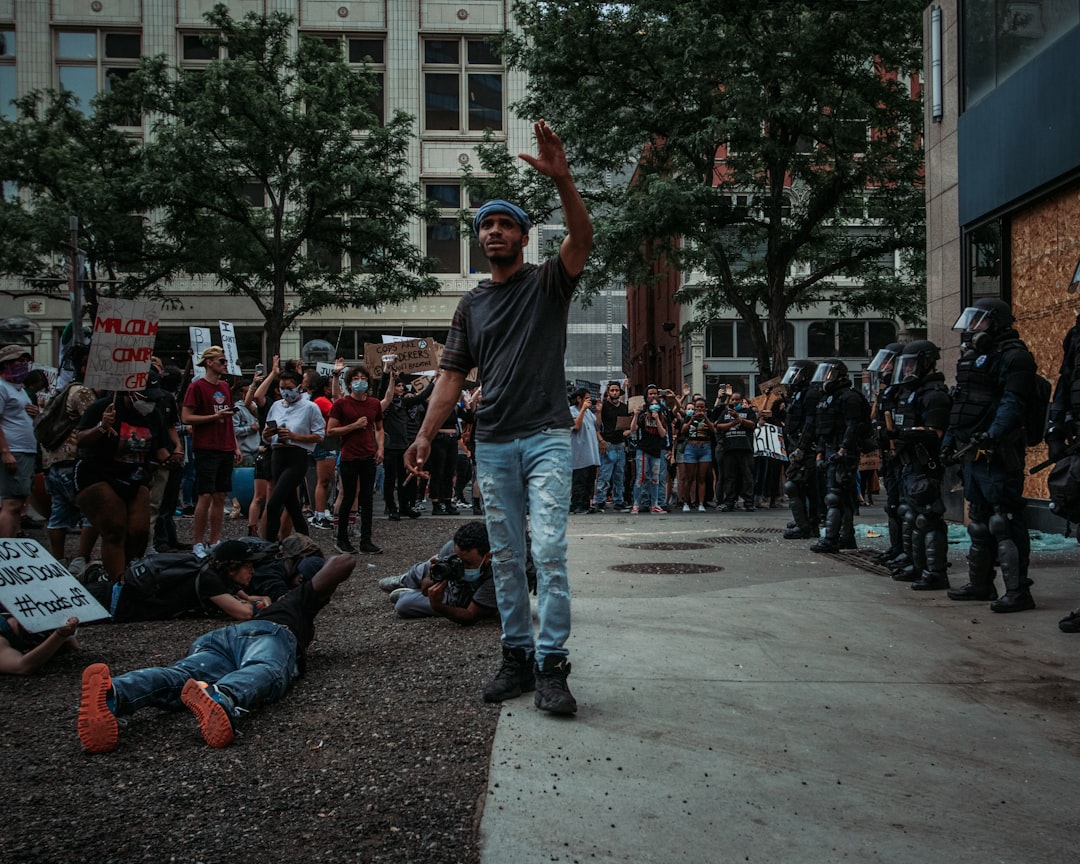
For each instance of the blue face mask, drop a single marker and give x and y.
(290, 396)
(358, 386)
(472, 575)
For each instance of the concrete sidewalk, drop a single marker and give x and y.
(791, 708)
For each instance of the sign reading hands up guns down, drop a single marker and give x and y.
(38, 591)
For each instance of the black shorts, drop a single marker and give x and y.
(262, 466)
(213, 471)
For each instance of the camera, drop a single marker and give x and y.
(449, 569)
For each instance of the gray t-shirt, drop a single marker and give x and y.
(514, 333)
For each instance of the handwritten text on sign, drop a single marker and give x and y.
(38, 591)
(415, 355)
(123, 342)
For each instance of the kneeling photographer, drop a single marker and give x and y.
(456, 584)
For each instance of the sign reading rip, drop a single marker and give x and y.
(38, 591)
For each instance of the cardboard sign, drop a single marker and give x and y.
(769, 441)
(870, 461)
(636, 403)
(412, 356)
(200, 341)
(228, 345)
(122, 345)
(38, 591)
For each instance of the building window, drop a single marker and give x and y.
(843, 338)
(463, 86)
(447, 243)
(732, 339)
(985, 249)
(1000, 36)
(362, 52)
(7, 74)
(90, 61)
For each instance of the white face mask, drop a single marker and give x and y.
(143, 407)
(290, 396)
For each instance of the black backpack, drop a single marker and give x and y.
(1064, 486)
(1036, 408)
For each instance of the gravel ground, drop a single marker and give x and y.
(379, 753)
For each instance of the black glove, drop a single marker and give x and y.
(948, 455)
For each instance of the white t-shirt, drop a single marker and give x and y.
(302, 417)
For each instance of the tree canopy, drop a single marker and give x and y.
(761, 137)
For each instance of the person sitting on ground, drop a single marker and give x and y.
(227, 672)
(455, 584)
(23, 652)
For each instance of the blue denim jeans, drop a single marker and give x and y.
(647, 486)
(612, 471)
(253, 662)
(529, 475)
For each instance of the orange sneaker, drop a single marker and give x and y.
(98, 730)
(213, 719)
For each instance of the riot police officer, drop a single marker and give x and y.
(843, 427)
(920, 420)
(1064, 427)
(800, 483)
(886, 396)
(994, 376)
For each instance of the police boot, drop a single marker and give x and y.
(1017, 597)
(980, 558)
(799, 528)
(935, 574)
(833, 518)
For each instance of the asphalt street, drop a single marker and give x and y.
(784, 706)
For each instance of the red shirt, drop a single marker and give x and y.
(204, 398)
(360, 443)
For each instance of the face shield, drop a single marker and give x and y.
(883, 363)
(907, 369)
(973, 320)
(827, 373)
(793, 376)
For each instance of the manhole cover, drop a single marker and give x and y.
(759, 530)
(667, 569)
(741, 541)
(664, 547)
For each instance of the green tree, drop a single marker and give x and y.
(268, 166)
(66, 161)
(762, 136)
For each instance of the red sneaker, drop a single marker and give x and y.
(98, 729)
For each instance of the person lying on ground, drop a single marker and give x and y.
(227, 672)
(23, 652)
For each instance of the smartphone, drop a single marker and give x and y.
(271, 424)
(259, 368)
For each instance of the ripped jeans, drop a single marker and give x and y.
(529, 476)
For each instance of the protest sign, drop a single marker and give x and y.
(200, 341)
(412, 356)
(769, 441)
(123, 342)
(228, 345)
(635, 403)
(592, 386)
(870, 461)
(38, 591)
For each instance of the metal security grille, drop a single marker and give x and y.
(736, 540)
(664, 547)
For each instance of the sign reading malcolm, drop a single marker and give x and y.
(123, 342)
(413, 356)
(38, 591)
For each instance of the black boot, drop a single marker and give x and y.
(552, 692)
(905, 574)
(825, 545)
(1014, 601)
(930, 581)
(515, 676)
(971, 591)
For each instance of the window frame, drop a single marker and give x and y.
(464, 69)
(470, 259)
(103, 64)
(9, 61)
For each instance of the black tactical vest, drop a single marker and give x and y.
(978, 389)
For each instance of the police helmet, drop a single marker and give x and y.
(831, 373)
(799, 373)
(918, 360)
(885, 360)
(987, 314)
